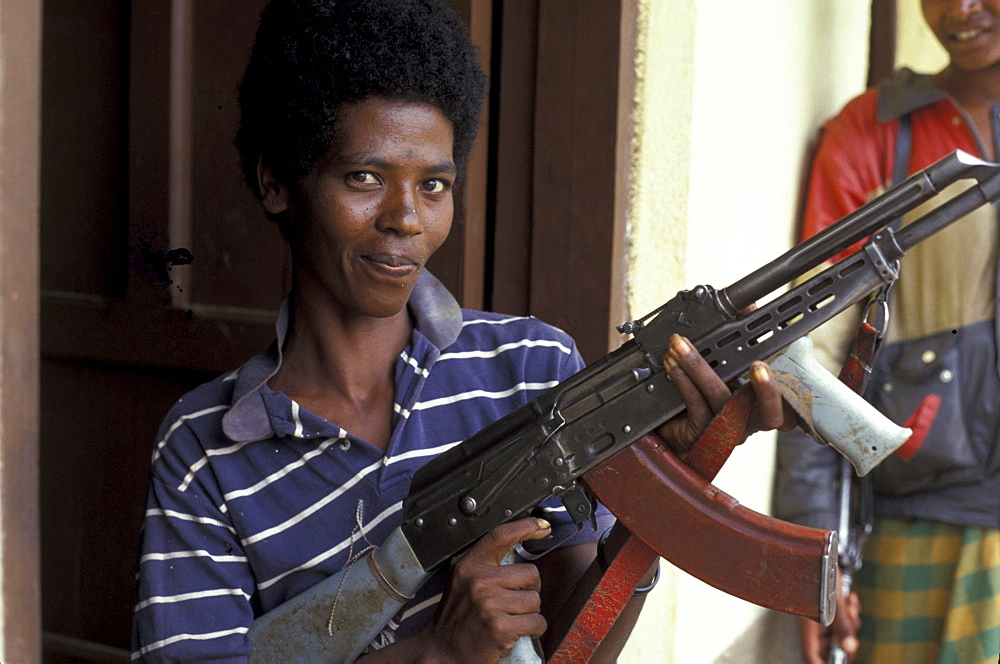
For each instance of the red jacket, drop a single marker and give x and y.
(854, 159)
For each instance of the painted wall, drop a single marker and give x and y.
(916, 46)
(730, 96)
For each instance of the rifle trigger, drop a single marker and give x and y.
(579, 507)
(527, 555)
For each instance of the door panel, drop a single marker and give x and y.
(233, 243)
(137, 163)
(82, 171)
(96, 427)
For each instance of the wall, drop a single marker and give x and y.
(729, 99)
(916, 46)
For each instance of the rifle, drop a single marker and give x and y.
(545, 447)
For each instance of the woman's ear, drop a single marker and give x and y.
(273, 194)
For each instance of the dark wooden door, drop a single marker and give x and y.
(137, 165)
(139, 177)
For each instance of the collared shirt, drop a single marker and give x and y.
(254, 499)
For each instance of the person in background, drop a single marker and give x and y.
(357, 120)
(929, 587)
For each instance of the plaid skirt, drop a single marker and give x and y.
(930, 593)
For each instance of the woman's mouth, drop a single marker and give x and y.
(396, 267)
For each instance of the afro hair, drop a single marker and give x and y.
(313, 58)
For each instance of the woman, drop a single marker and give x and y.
(357, 119)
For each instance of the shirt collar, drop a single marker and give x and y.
(437, 316)
(905, 92)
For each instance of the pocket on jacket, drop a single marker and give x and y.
(916, 384)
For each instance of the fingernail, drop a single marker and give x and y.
(544, 525)
(669, 362)
(761, 373)
(680, 345)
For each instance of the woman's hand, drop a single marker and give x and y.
(487, 606)
(705, 394)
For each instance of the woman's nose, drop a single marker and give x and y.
(401, 215)
(963, 8)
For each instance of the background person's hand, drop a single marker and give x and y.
(816, 639)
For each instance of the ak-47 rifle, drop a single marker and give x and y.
(545, 447)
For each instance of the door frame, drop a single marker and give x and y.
(20, 51)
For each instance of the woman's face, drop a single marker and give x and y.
(366, 218)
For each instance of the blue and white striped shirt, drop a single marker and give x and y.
(253, 499)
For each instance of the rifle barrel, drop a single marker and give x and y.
(863, 222)
(912, 234)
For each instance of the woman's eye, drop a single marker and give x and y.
(435, 186)
(362, 177)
